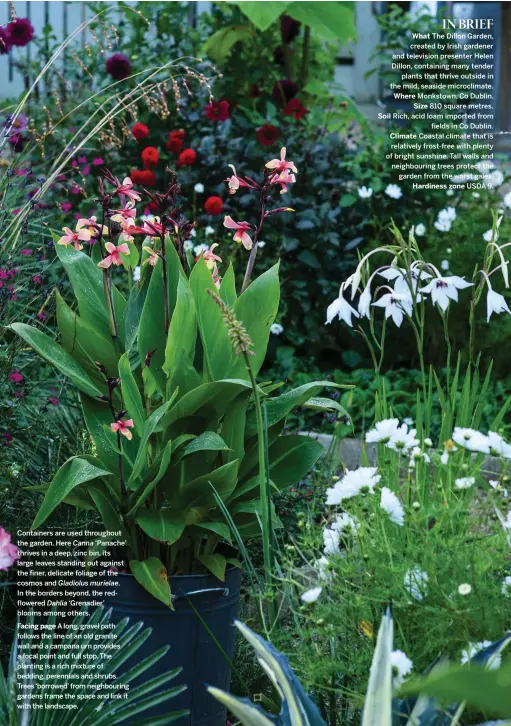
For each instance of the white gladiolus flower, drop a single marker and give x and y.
(136, 273)
(402, 666)
(416, 583)
(365, 192)
(364, 302)
(310, 596)
(342, 309)
(506, 586)
(395, 305)
(403, 440)
(199, 188)
(393, 191)
(193, 233)
(383, 431)
(276, 329)
(490, 236)
(199, 249)
(473, 648)
(188, 245)
(420, 230)
(495, 303)
(391, 504)
(359, 481)
(465, 482)
(209, 230)
(507, 200)
(445, 289)
(498, 447)
(471, 439)
(464, 588)
(444, 265)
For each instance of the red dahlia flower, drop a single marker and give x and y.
(140, 131)
(294, 108)
(150, 157)
(144, 177)
(283, 91)
(118, 66)
(20, 32)
(187, 157)
(175, 142)
(267, 135)
(213, 206)
(217, 110)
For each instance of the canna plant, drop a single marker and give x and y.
(167, 379)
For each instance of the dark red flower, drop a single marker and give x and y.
(217, 110)
(294, 108)
(5, 41)
(283, 91)
(8, 437)
(118, 66)
(140, 131)
(54, 401)
(150, 157)
(214, 206)
(175, 142)
(144, 177)
(267, 135)
(20, 32)
(187, 157)
(289, 28)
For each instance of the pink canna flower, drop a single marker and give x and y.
(153, 257)
(9, 553)
(123, 426)
(15, 376)
(284, 178)
(126, 188)
(235, 182)
(211, 259)
(241, 232)
(280, 165)
(74, 238)
(92, 225)
(114, 256)
(125, 218)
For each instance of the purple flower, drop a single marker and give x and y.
(82, 159)
(98, 161)
(20, 31)
(86, 170)
(26, 252)
(66, 207)
(118, 66)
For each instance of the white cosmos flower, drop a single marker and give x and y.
(494, 179)
(471, 439)
(506, 586)
(136, 273)
(416, 454)
(395, 305)
(383, 431)
(209, 230)
(393, 191)
(342, 309)
(403, 440)
(443, 225)
(420, 230)
(359, 481)
(497, 486)
(199, 249)
(323, 569)
(448, 213)
(391, 504)
(276, 329)
(310, 596)
(495, 303)
(464, 588)
(476, 195)
(498, 447)
(416, 582)
(507, 200)
(365, 192)
(450, 192)
(199, 188)
(402, 666)
(465, 482)
(408, 421)
(445, 289)
(344, 525)
(473, 648)
(448, 450)
(490, 236)
(444, 265)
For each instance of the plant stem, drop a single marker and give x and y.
(165, 285)
(253, 252)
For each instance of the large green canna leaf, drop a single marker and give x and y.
(263, 14)
(214, 563)
(233, 428)
(134, 309)
(329, 20)
(163, 526)
(217, 347)
(98, 418)
(163, 465)
(149, 428)
(228, 287)
(84, 343)
(151, 333)
(87, 282)
(57, 356)
(131, 395)
(180, 348)
(105, 505)
(219, 45)
(208, 441)
(174, 273)
(152, 575)
(291, 457)
(74, 472)
(257, 308)
(199, 492)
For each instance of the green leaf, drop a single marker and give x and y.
(149, 428)
(264, 14)
(378, 702)
(208, 441)
(199, 492)
(219, 45)
(106, 507)
(217, 347)
(151, 332)
(330, 20)
(256, 309)
(74, 472)
(152, 575)
(58, 357)
(291, 458)
(130, 261)
(218, 528)
(163, 526)
(228, 287)
(98, 418)
(214, 563)
(181, 340)
(163, 466)
(131, 395)
(133, 313)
